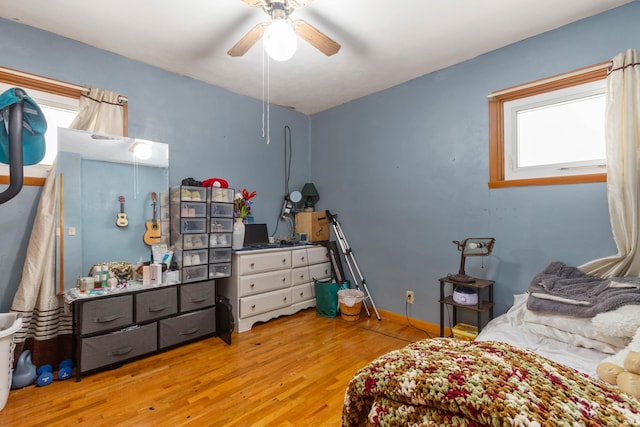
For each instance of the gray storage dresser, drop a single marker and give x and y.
(118, 327)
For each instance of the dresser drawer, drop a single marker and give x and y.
(318, 254)
(256, 304)
(258, 263)
(118, 346)
(157, 303)
(299, 258)
(300, 275)
(320, 271)
(186, 327)
(197, 295)
(257, 283)
(106, 313)
(302, 293)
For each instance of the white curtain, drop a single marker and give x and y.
(46, 327)
(101, 111)
(36, 298)
(622, 127)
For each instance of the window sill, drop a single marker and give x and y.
(558, 180)
(39, 182)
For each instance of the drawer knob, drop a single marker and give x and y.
(301, 294)
(302, 258)
(302, 276)
(284, 279)
(253, 307)
(284, 260)
(253, 264)
(252, 285)
(284, 299)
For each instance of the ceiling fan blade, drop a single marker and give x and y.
(255, 3)
(315, 38)
(298, 3)
(249, 39)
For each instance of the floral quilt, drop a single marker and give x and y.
(442, 382)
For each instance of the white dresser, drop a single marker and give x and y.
(268, 283)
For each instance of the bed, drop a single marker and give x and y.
(525, 368)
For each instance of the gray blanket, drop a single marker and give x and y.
(561, 289)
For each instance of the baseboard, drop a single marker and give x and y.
(432, 328)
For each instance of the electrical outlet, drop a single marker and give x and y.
(409, 297)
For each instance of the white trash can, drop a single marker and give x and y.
(9, 325)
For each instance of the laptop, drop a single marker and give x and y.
(256, 236)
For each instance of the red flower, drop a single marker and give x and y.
(248, 196)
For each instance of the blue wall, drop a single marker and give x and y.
(405, 169)
(211, 132)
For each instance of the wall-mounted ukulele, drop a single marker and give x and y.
(122, 220)
(153, 233)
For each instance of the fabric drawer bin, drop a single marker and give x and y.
(197, 295)
(157, 303)
(106, 313)
(250, 306)
(118, 346)
(187, 327)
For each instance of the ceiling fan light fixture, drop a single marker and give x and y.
(280, 41)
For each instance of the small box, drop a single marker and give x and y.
(465, 332)
(155, 274)
(171, 277)
(314, 224)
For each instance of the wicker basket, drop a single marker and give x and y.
(350, 303)
(350, 313)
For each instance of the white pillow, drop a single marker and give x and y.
(577, 331)
(573, 339)
(621, 322)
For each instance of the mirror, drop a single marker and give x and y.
(105, 204)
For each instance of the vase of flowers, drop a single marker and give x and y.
(241, 210)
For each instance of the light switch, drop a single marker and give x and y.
(72, 231)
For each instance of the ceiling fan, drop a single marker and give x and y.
(279, 12)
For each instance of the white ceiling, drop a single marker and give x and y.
(384, 42)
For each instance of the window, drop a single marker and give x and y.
(550, 131)
(59, 111)
(59, 103)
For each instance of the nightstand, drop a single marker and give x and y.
(484, 305)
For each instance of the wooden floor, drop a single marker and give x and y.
(291, 371)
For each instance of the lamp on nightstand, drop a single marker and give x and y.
(310, 196)
(473, 246)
